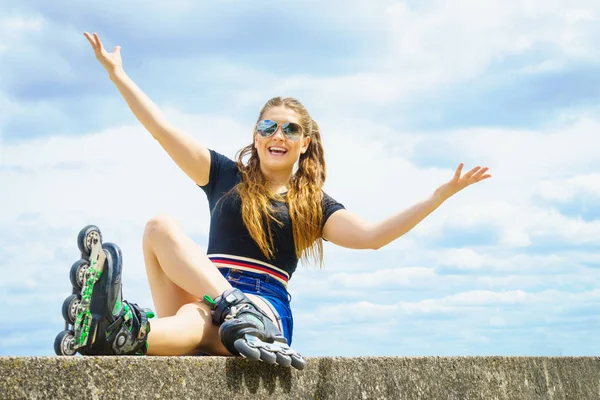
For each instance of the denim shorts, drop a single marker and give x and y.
(269, 289)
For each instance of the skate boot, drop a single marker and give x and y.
(246, 330)
(97, 320)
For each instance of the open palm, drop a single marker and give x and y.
(459, 181)
(110, 61)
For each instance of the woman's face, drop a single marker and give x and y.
(278, 151)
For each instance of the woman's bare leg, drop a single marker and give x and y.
(188, 332)
(180, 274)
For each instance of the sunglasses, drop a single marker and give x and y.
(267, 128)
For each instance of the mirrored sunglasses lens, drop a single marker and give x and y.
(292, 130)
(266, 127)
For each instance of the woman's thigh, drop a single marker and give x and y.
(179, 271)
(168, 298)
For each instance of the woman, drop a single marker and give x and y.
(266, 214)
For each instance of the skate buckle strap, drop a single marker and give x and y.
(229, 305)
(140, 315)
(117, 322)
(139, 319)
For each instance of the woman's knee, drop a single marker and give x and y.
(194, 309)
(159, 227)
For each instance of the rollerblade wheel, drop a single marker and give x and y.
(251, 353)
(283, 360)
(63, 344)
(70, 307)
(298, 362)
(86, 237)
(267, 357)
(77, 273)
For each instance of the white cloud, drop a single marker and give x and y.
(399, 278)
(569, 189)
(461, 258)
(475, 305)
(13, 27)
(439, 44)
(422, 48)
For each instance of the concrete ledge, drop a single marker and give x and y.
(324, 378)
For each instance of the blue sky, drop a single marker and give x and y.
(403, 92)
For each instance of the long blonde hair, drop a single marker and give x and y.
(304, 197)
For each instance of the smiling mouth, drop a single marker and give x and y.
(277, 151)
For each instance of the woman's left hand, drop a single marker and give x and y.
(459, 182)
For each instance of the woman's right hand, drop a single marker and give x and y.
(110, 61)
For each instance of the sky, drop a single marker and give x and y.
(403, 91)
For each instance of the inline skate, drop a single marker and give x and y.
(97, 319)
(248, 331)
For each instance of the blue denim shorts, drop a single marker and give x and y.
(269, 289)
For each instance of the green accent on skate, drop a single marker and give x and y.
(84, 317)
(150, 314)
(117, 307)
(118, 304)
(209, 301)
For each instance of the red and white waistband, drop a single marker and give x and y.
(250, 265)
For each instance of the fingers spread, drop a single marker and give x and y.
(479, 173)
(469, 174)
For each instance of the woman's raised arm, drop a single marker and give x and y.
(348, 230)
(189, 154)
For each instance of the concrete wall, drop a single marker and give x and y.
(324, 378)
